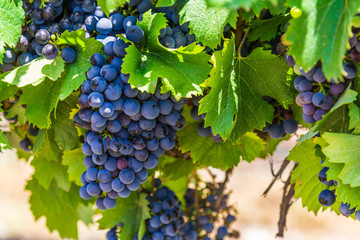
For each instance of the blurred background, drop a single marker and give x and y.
(257, 218)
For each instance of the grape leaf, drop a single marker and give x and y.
(305, 175)
(219, 155)
(315, 29)
(7, 90)
(231, 4)
(59, 207)
(47, 164)
(165, 3)
(179, 186)
(275, 7)
(65, 131)
(75, 73)
(132, 211)
(75, 167)
(36, 71)
(11, 19)
(19, 111)
(86, 213)
(235, 105)
(110, 5)
(47, 170)
(344, 148)
(40, 100)
(4, 143)
(354, 114)
(266, 29)
(182, 70)
(183, 167)
(207, 23)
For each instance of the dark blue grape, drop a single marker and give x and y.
(290, 126)
(276, 131)
(318, 99)
(351, 70)
(129, 21)
(135, 34)
(104, 26)
(68, 54)
(97, 59)
(127, 176)
(345, 209)
(124, 193)
(305, 85)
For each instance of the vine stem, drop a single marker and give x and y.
(243, 42)
(196, 196)
(222, 188)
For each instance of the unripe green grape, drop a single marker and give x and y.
(296, 12)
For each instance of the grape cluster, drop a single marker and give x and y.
(210, 217)
(166, 216)
(283, 122)
(318, 94)
(201, 130)
(25, 144)
(127, 129)
(174, 35)
(327, 197)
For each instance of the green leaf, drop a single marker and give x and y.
(165, 3)
(4, 143)
(275, 7)
(219, 155)
(182, 70)
(19, 111)
(110, 5)
(305, 176)
(315, 29)
(266, 29)
(59, 207)
(231, 3)
(86, 213)
(11, 19)
(354, 114)
(7, 90)
(183, 167)
(235, 105)
(75, 166)
(48, 166)
(65, 131)
(344, 148)
(207, 23)
(131, 211)
(36, 71)
(75, 73)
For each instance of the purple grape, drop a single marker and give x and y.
(319, 76)
(318, 114)
(318, 99)
(305, 85)
(308, 109)
(337, 89)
